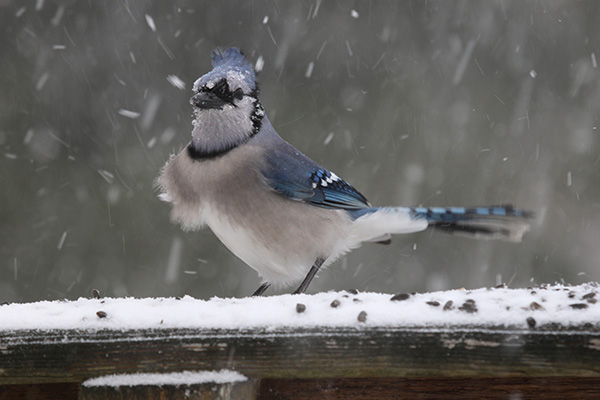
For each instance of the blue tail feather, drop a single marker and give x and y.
(454, 214)
(497, 222)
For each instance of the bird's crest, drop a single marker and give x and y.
(231, 55)
(231, 64)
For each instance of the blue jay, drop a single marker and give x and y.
(277, 210)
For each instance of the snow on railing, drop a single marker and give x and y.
(522, 337)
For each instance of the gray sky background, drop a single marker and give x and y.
(433, 103)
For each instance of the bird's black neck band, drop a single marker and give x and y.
(202, 154)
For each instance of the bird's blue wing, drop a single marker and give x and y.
(297, 177)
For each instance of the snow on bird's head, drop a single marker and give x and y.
(232, 65)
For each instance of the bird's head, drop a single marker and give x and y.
(227, 111)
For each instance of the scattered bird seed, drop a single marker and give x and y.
(335, 303)
(578, 306)
(449, 305)
(95, 293)
(362, 316)
(300, 308)
(469, 307)
(531, 322)
(535, 306)
(401, 296)
(101, 314)
(434, 303)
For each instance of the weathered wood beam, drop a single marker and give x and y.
(73, 356)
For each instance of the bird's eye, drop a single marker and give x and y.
(221, 90)
(238, 94)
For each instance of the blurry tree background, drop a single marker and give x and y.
(432, 103)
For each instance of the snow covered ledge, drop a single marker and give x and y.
(548, 331)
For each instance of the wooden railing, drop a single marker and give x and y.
(329, 363)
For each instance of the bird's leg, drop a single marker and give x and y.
(309, 277)
(261, 289)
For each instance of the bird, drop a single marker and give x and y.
(281, 213)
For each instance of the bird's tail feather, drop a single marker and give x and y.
(499, 222)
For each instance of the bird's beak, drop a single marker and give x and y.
(206, 100)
